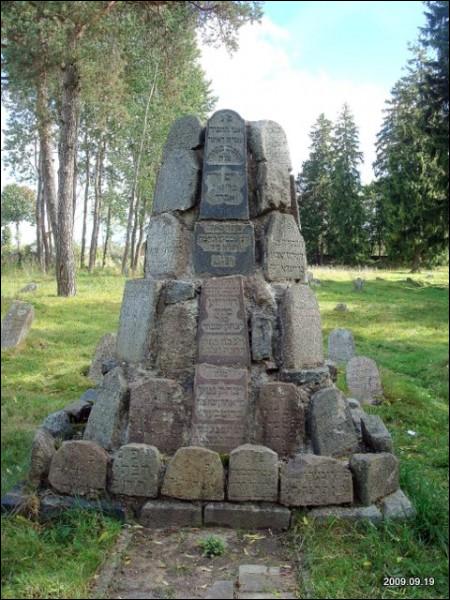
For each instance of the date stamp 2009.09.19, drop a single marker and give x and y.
(408, 581)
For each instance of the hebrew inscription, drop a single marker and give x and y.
(285, 254)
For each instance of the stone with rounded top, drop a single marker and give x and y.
(135, 471)
(341, 345)
(284, 249)
(186, 133)
(253, 474)
(363, 380)
(177, 186)
(168, 252)
(16, 324)
(79, 467)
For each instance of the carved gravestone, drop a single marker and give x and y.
(105, 350)
(285, 253)
(168, 247)
(282, 417)
(220, 407)
(185, 133)
(222, 327)
(157, 414)
(253, 474)
(135, 471)
(262, 336)
(224, 248)
(136, 325)
(341, 345)
(363, 380)
(177, 332)
(16, 324)
(224, 190)
(79, 468)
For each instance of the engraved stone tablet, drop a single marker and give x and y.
(157, 414)
(169, 244)
(224, 248)
(136, 326)
(222, 329)
(224, 189)
(135, 471)
(301, 329)
(177, 331)
(186, 133)
(363, 380)
(341, 345)
(310, 480)
(16, 324)
(283, 417)
(253, 474)
(178, 182)
(194, 474)
(220, 407)
(285, 254)
(106, 423)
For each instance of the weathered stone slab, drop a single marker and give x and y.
(157, 414)
(375, 434)
(135, 471)
(194, 474)
(178, 291)
(16, 501)
(341, 345)
(282, 417)
(30, 287)
(397, 506)
(262, 333)
(42, 451)
(222, 328)
(224, 189)
(107, 420)
(186, 133)
(311, 480)
(220, 407)
(284, 249)
(253, 474)
(163, 514)
(136, 326)
(332, 430)
(220, 590)
(79, 467)
(79, 410)
(347, 513)
(259, 578)
(58, 424)
(247, 516)
(105, 350)
(224, 248)
(178, 183)
(177, 332)
(320, 376)
(375, 475)
(169, 247)
(301, 329)
(53, 506)
(16, 324)
(363, 380)
(267, 142)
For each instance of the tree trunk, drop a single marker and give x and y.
(107, 236)
(141, 236)
(97, 206)
(65, 260)
(75, 162)
(18, 237)
(45, 244)
(417, 261)
(134, 232)
(39, 246)
(86, 198)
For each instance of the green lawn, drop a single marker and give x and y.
(402, 326)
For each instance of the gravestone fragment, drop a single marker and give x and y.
(224, 248)
(341, 307)
(177, 331)
(42, 451)
(363, 380)
(157, 414)
(224, 189)
(220, 407)
(135, 471)
(375, 475)
(168, 252)
(16, 324)
(177, 186)
(253, 474)
(105, 350)
(247, 515)
(220, 590)
(282, 417)
(285, 253)
(341, 345)
(107, 419)
(30, 287)
(397, 506)
(301, 329)
(178, 291)
(375, 434)
(332, 430)
(136, 326)
(163, 514)
(358, 284)
(310, 480)
(194, 474)
(79, 467)
(222, 328)
(347, 513)
(186, 133)
(58, 424)
(262, 334)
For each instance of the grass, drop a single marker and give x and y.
(402, 326)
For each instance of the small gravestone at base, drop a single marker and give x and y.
(214, 404)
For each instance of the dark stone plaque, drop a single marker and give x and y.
(224, 248)
(224, 185)
(220, 407)
(222, 330)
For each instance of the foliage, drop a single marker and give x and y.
(17, 204)
(212, 546)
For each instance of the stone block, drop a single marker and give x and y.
(135, 471)
(319, 377)
(341, 345)
(177, 332)
(259, 578)
(375, 434)
(79, 410)
(397, 506)
(105, 350)
(310, 480)
(375, 475)
(164, 514)
(42, 451)
(58, 424)
(79, 468)
(253, 474)
(284, 249)
(247, 516)
(186, 133)
(194, 474)
(16, 324)
(347, 513)
(178, 183)
(178, 291)
(262, 334)
(53, 506)
(220, 590)
(363, 380)
(169, 247)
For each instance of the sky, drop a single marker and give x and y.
(305, 58)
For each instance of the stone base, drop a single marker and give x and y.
(162, 514)
(53, 506)
(247, 516)
(351, 513)
(319, 376)
(397, 506)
